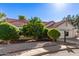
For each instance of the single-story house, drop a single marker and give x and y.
(61, 26)
(64, 26)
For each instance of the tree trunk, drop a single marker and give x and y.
(55, 40)
(8, 42)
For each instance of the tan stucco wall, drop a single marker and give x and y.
(69, 28)
(72, 33)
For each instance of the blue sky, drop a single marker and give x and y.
(46, 11)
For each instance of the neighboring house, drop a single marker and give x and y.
(64, 26)
(20, 23)
(50, 23)
(17, 22)
(47, 24)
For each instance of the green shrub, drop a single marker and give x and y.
(33, 29)
(8, 32)
(20, 31)
(44, 35)
(54, 34)
(45, 32)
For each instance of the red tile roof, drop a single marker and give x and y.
(56, 24)
(20, 23)
(50, 23)
(17, 22)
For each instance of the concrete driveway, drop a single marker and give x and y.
(48, 50)
(72, 52)
(5, 49)
(37, 48)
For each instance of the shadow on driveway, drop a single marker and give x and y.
(57, 48)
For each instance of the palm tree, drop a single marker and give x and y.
(22, 17)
